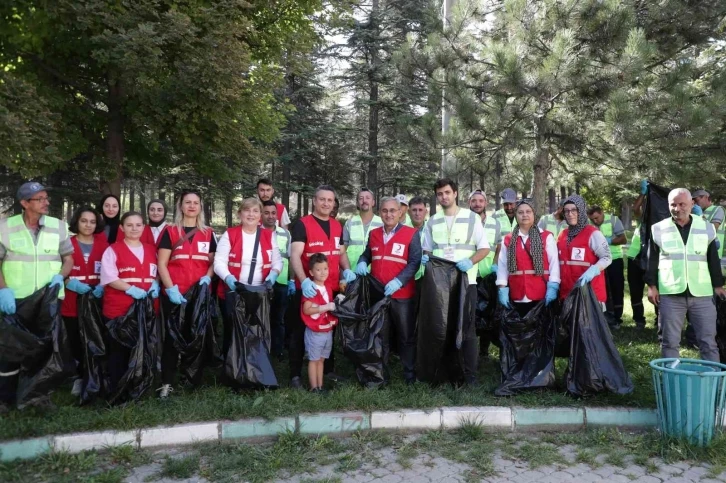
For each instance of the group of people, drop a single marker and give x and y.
(308, 263)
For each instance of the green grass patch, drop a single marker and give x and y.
(179, 467)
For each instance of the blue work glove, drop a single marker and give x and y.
(392, 287)
(154, 290)
(136, 292)
(78, 287)
(718, 244)
(504, 297)
(697, 210)
(271, 279)
(231, 281)
(361, 269)
(464, 265)
(291, 289)
(205, 280)
(7, 301)
(308, 288)
(175, 296)
(424, 259)
(98, 291)
(348, 275)
(589, 275)
(643, 186)
(609, 239)
(56, 280)
(552, 289)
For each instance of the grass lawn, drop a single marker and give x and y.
(214, 401)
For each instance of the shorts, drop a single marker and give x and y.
(318, 344)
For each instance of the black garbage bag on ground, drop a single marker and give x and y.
(655, 208)
(595, 364)
(247, 363)
(35, 337)
(527, 355)
(721, 328)
(363, 322)
(441, 312)
(190, 326)
(137, 330)
(93, 336)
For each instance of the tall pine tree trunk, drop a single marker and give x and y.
(115, 137)
(541, 164)
(373, 107)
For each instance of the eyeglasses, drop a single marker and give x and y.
(41, 200)
(569, 211)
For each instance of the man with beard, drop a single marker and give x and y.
(505, 215)
(266, 192)
(357, 228)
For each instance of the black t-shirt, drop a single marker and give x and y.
(165, 241)
(299, 234)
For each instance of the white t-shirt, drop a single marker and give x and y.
(324, 292)
(221, 258)
(157, 230)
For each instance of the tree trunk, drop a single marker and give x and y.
(563, 193)
(228, 211)
(373, 106)
(115, 137)
(541, 165)
(132, 196)
(305, 205)
(142, 197)
(498, 168)
(552, 199)
(626, 214)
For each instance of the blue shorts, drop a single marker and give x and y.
(318, 344)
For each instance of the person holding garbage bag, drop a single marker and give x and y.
(394, 253)
(583, 251)
(89, 244)
(683, 275)
(528, 269)
(457, 234)
(186, 255)
(35, 251)
(128, 273)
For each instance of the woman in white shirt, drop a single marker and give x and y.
(246, 254)
(528, 268)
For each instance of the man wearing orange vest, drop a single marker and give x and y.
(394, 253)
(315, 233)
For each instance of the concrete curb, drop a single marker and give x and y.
(492, 418)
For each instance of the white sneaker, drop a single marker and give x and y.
(165, 390)
(77, 387)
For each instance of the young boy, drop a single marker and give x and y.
(315, 313)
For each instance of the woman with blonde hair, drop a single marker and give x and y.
(186, 255)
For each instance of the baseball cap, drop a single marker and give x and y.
(478, 192)
(699, 193)
(509, 196)
(401, 198)
(28, 190)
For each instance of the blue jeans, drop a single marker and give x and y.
(278, 308)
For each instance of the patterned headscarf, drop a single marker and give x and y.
(536, 249)
(582, 220)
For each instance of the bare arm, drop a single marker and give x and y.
(120, 285)
(479, 255)
(619, 240)
(67, 265)
(163, 266)
(296, 251)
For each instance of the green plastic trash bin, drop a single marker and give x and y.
(690, 395)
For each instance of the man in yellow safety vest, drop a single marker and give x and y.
(505, 215)
(357, 228)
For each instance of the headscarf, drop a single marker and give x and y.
(582, 220)
(111, 223)
(536, 250)
(166, 210)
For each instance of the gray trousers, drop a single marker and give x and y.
(701, 312)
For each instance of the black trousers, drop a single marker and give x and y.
(616, 290)
(280, 301)
(296, 339)
(74, 341)
(8, 384)
(403, 321)
(469, 345)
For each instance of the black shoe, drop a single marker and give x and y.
(640, 324)
(296, 383)
(333, 377)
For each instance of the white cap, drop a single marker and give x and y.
(401, 198)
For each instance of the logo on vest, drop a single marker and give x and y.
(578, 254)
(126, 269)
(398, 249)
(316, 244)
(76, 267)
(374, 249)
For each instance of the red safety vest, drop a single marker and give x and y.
(575, 259)
(115, 302)
(86, 272)
(389, 259)
(189, 262)
(234, 263)
(326, 321)
(524, 283)
(280, 210)
(318, 242)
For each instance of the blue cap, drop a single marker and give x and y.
(28, 190)
(509, 196)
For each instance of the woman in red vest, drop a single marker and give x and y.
(584, 253)
(156, 212)
(128, 272)
(528, 270)
(186, 253)
(247, 254)
(89, 243)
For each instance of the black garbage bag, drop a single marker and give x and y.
(527, 354)
(190, 327)
(440, 322)
(655, 208)
(137, 331)
(595, 364)
(247, 363)
(487, 322)
(363, 322)
(721, 328)
(93, 337)
(35, 337)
